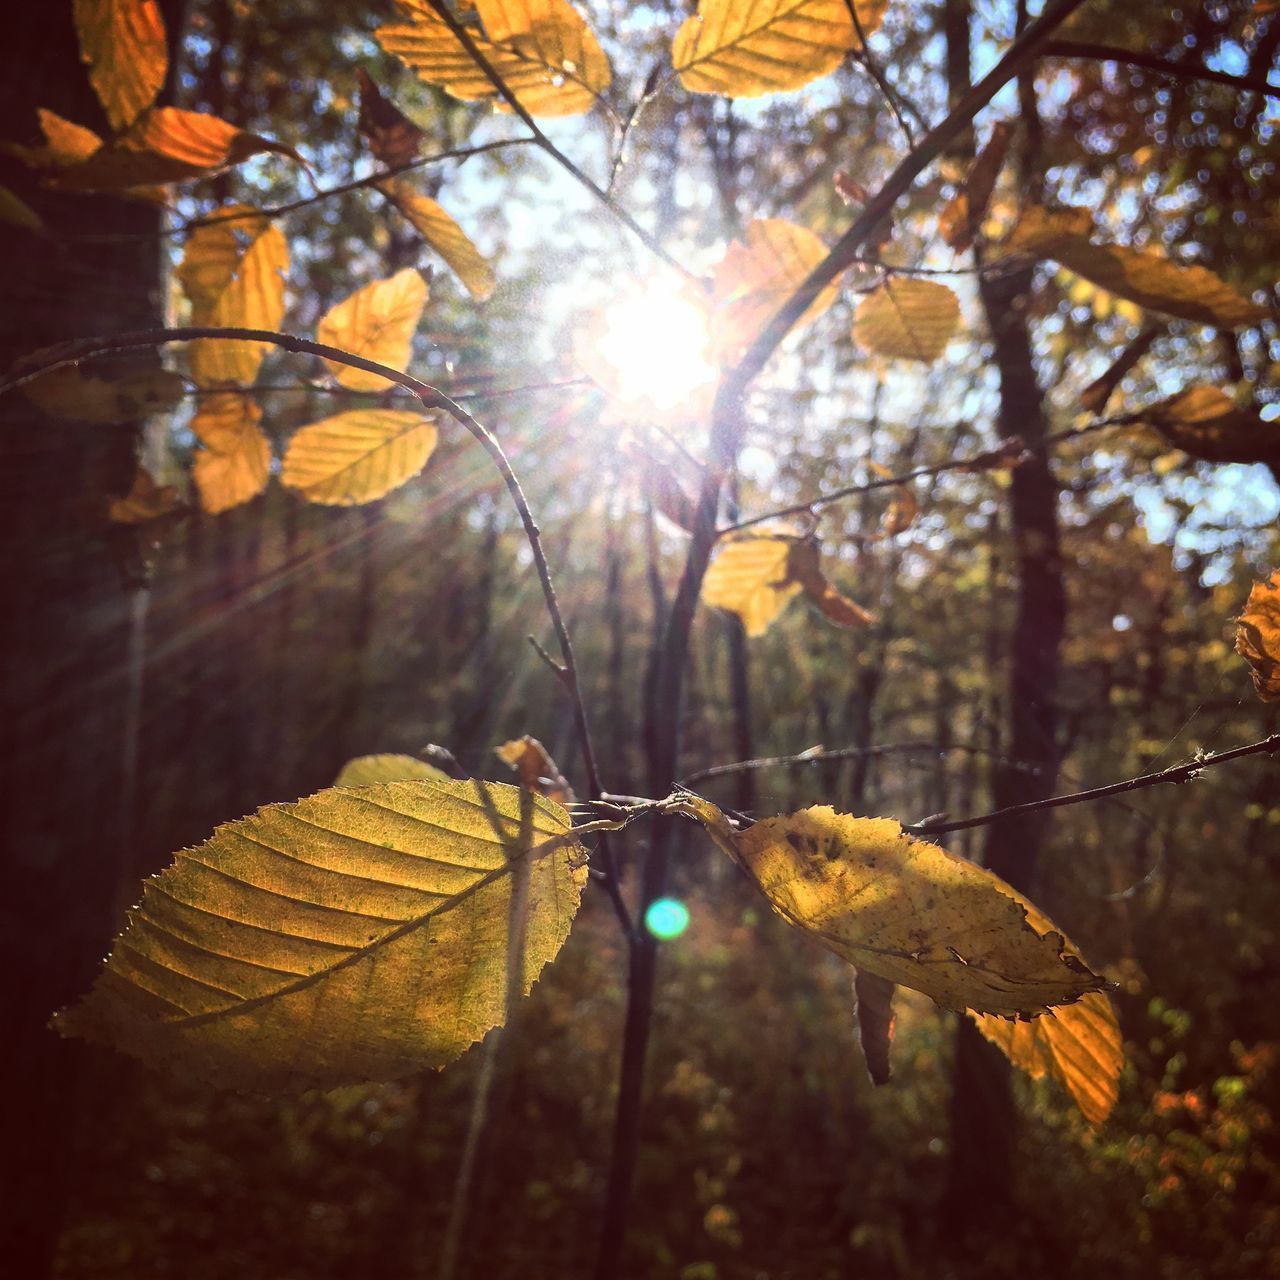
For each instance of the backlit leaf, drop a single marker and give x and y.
(444, 235)
(1080, 1046)
(535, 768)
(873, 1003)
(743, 50)
(1258, 637)
(358, 456)
(1141, 275)
(233, 466)
(65, 143)
(804, 566)
(542, 49)
(363, 771)
(756, 277)
(905, 910)
(233, 273)
(960, 219)
(166, 145)
(1206, 423)
(907, 319)
(376, 322)
(145, 501)
(358, 934)
(123, 42)
(72, 393)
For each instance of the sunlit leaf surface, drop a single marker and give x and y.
(358, 456)
(233, 465)
(1258, 637)
(123, 43)
(907, 320)
(378, 323)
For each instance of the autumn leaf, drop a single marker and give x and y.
(745, 50)
(903, 508)
(378, 323)
(756, 577)
(233, 466)
(1079, 1047)
(1207, 423)
(358, 934)
(363, 771)
(755, 279)
(65, 143)
(232, 271)
(873, 1003)
(962, 216)
(542, 49)
(907, 319)
(1258, 637)
(444, 235)
(1141, 275)
(145, 501)
(165, 145)
(73, 393)
(904, 910)
(123, 43)
(393, 137)
(535, 768)
(358, 456)
(1094, 398)
(17, 212)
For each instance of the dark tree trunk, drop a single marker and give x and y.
(68, 582)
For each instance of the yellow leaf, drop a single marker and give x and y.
(145, 501)
(907, 320)
(754, 280)
(376, 322)
(65, 143)
(233, 465)
(123, 42)
(535, 768)
(905, 910)
(358, 456)
(232, 285)
(71, 393)
(744, 49)
(359, 934)
(804, 566)
(166, 145)
(1206, 423)
(751, 577)
(444, 235)
(1140, 275)
(1258, 637)
(542, 49)
(387, 767)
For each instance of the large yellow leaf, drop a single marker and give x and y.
(72, 393)
(233, 273)
(905, 910)
(236, 458)
(1140, 275)
(376, 322)
(166, 145)
(907, 319)
(754, 280)
(359, 934)
(1258, 637)
(757, 575)
(444, 235)
(542, 49)
(358, 456)
(744, 48)
(1206, 423)
(1080, 1046)
(386, 767)
(123, 41)
(144, 502)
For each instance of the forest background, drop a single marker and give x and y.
(165, 677)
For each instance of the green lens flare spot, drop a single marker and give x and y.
(666, 918)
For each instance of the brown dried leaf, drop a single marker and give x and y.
(535, 768)
(804, 566)
(962, 216)
(1258, 637)
(1207, 423)
(145, 501)
(393, 137)
(873, 1003)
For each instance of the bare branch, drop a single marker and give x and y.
(1161, 66)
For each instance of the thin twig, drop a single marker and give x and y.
(50, 358)
(650, 242)
(1174, 774)
(1161, 66)
(867, 60)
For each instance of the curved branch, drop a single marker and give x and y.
(50, 358)
(1161, 66)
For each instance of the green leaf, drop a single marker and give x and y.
(359, 934)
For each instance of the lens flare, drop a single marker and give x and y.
(666, 918)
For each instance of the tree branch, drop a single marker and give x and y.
(50, 358)
(1161, 66)
(1175, 774)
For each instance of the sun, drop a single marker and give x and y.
(650, 347)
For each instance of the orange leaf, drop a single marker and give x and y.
(123, 41)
